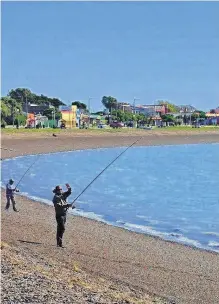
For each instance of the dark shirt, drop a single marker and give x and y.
(60, 204)
(10, 189)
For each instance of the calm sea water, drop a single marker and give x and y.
(168, 191)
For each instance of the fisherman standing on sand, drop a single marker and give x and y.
(10, 189)
(61, 207)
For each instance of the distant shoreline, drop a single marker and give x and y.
(14, 144)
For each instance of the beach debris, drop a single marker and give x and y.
(4, 245)
(75, 267)
(7, 149)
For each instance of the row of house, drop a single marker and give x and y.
(212, 118)
(156, 111)
(150, 110)
(73, 117)
(70, 116)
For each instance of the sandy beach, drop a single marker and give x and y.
(101, 263)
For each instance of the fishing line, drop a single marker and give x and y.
(105, 169)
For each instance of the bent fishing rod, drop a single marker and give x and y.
(38, 156)
(28, 169)
(104, 170)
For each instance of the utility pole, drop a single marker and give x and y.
(89, 108)
(69, 117)
(134, 104)
(13, 113)
(26, 104)
(89, 99)
(135, 109)
(54, 115)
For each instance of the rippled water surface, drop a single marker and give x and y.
(168, 191)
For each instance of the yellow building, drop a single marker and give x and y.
(69, 117)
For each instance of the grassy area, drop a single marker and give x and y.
(102, 131)
(188, 128)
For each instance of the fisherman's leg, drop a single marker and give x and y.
(8, 202)
(14, 203)
(62, 226)
(59, 230)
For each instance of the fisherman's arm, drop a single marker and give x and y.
(12, 188)
(66, 193)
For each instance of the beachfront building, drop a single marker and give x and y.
(150, 110)
(184, 117)
(124, 106)
(95, 119)
(186, 109)
(69, 116)
(212, 118)
(156, 120)
(35, 108)
(154, 112)
(37, 121)
(184, 114)
(147, 110)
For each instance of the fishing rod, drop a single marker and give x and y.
(28, 170)
(28, 167)
(104, 170)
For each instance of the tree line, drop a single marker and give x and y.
(13, 104)
(112, 105)
(110, 102)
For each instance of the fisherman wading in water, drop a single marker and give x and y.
(61, 207)
(10, 189)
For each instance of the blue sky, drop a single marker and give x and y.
(148, 50)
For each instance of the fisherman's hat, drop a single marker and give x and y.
(57, 188)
